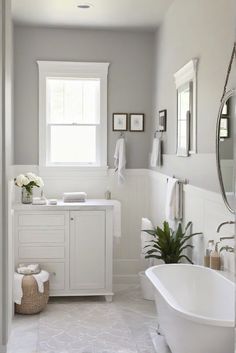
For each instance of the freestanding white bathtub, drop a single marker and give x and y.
(195, 308)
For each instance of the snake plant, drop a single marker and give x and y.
(169, 245)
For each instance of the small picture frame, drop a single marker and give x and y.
(120, 122)
(136, 122)
(162, 120)
(224, 127)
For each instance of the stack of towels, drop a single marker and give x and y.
(74, 196)
(34, 269)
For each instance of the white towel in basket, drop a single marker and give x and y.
(40, 278)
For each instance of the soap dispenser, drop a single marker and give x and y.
(209, 250)
(215, 259)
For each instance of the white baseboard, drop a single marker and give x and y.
(125, 279)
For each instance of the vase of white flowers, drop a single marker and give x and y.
(27, 182)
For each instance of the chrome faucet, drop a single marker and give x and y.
(222, 224)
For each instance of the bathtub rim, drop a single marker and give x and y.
(204, 320)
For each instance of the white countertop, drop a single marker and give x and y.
(88, 204)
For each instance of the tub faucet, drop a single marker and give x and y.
(222, 224)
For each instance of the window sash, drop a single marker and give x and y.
(57, 70)
(82, 95)
(98, 145)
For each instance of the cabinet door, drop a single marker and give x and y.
(87, 249)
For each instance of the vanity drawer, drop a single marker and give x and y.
(56, 271)
(41, 235)
(41, 252)
(42, 219)
(57, 274)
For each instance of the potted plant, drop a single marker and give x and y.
(168, 245)
(27, 182)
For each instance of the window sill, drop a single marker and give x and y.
(61, 171)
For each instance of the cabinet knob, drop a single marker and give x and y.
(72, 219)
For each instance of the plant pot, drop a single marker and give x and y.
(146, 287)
(26, 196)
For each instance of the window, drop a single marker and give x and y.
(73, 114)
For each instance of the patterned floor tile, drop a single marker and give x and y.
(88, 325)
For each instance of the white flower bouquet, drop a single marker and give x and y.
(27, 182)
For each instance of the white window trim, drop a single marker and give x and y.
(72, 69)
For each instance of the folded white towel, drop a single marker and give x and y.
(39, 201)
(145, 237)
(41, 278)
(156, 156)
(117, 219)
(17, 288)
(74, 196)
(120, 160)
(172, 202)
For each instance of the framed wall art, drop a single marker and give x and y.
(120, 122)
(136, 122)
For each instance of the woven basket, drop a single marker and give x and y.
(32, 301)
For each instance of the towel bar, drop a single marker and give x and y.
(180, 181)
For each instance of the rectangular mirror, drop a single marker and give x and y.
(184, 111)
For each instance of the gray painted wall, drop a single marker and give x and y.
(130, 81)
(206, 30)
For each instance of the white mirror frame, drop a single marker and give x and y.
(188, 73)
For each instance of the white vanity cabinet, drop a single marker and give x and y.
(74, 243)
(88, 250)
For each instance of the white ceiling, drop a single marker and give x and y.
(137, 14)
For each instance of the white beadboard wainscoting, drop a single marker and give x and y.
(204, 208)
(143, 195)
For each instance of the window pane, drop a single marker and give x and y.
(73, 101)
(55, 100)
(91, 102)
(73, 144)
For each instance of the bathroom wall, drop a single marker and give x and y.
(130, 81)
(204, 208)
(194, 29)
(181, 37)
